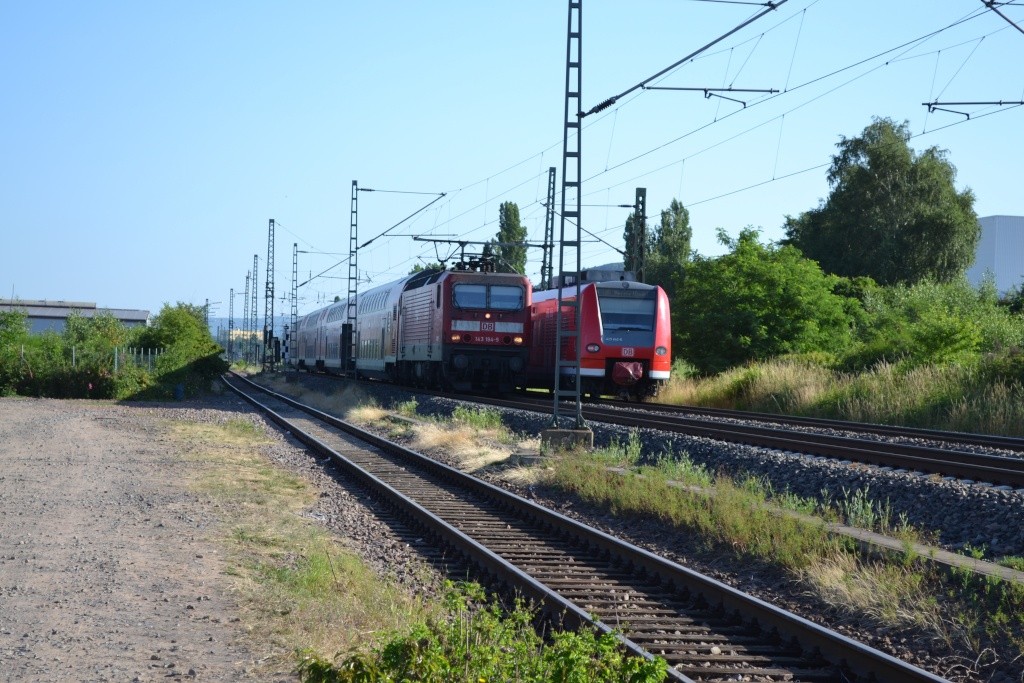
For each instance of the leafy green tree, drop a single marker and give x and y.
(419, 267)
(670, 248)
(510, 250)
(756, 302)
(934, 323)
(893, 215)
(13, 328)
(191, 357)
(635, 252)
(13, 334)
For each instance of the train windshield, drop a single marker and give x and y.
(627, 309)
(506, 297)
(500, 297)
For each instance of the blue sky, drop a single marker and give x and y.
(145, 145)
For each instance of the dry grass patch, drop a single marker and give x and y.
(522, 475)
(472, 449)
(367, 414)
(297, 585)
(891, 594)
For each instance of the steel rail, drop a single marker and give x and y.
(975, 466)
(994, 441)
(995, 469)
(844, 653)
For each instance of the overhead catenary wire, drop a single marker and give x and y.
(771, 7)
(992, 5)
(681, 162)
(835, 72)
(439, 196)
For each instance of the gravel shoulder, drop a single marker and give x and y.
(108, 571)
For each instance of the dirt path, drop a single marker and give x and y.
(106, 571)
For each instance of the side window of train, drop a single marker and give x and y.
(438, 296)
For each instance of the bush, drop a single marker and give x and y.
(930, 323)
(481, 642)
(80, 362)
(758, 302)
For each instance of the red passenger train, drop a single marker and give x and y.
(461, 329)
(625, 336)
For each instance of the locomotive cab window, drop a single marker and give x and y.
(506, 297)
(470, 296)
(501, 297)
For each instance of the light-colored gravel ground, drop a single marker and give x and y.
(107, 572)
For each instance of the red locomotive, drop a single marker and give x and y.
(625, 336)
(463, 329)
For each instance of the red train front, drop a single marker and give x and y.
(481, 320)
(625, 336)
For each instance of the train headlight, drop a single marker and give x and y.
(456, 337)
(593, 348)
(517, 340)
(661, 350)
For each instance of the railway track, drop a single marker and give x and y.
(706, 630)
(946, 460)
(955, 439)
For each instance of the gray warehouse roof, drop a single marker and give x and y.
(50, 315)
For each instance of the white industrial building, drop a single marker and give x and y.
(1000, 252)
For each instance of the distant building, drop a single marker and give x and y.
(1000, 252)
(53, 315)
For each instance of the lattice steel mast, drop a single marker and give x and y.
(231, 323)
(268, 301)
(549, 233)
(294, 317)
(348, 346)
(254, 311)
(569, 245)
(246, 332)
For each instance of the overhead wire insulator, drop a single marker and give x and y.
(604, 105)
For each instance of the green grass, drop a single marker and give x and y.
(971, 398)
(481, 641)
(408, 408)
(296, 585)
(742, 520)
(479, 418)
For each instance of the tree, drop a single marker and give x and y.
(670, 248)
(510, 250)
(756, 302)
(191, 357)
(892, 215)
(635, 252)
(13, 333)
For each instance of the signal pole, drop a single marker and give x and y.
(640, 226)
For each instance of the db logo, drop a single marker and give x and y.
(628, 351)
(487, 327)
